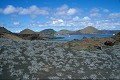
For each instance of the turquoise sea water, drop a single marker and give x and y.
(80, 36)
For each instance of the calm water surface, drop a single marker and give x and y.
(80, 36)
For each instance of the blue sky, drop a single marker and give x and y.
(37, 15)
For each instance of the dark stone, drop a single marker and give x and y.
(98, 47)
(117, 37)
(34, 38)
(109, 43)
(76, 39)
(84, 37)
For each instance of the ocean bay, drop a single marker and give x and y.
(79, 37)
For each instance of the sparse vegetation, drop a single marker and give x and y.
(38, 59)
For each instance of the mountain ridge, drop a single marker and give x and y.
(27, 31)
(4, 30)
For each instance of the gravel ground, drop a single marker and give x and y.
(34, 60)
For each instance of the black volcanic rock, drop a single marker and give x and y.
(117, 37)
(109, 43)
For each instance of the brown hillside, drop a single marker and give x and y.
(89, 30)
(27, 31)
(4, 30)
(10, 36)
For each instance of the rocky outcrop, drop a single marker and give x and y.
(89, 44)
(109, 43)
(117, 37)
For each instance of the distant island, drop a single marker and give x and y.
(88, 30)
(28, 34)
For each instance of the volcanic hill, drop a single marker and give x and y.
(27, 31)
(89, 30)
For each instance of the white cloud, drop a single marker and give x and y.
(76, 18)
(71, 11)
(33, 10)
(77, 23)
(60, 20)
(18, 31)
(16, 23)
(60, 13)
(105, 10)
(108, 24)
(24, 11)
(65, 16)
(57, 22)
(52, 18)
(86, 18)
(94, 10)
(95, 15)
(9, 9)
(64, 11)
(61, 10)
(114, 15)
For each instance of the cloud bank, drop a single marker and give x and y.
(65, 16)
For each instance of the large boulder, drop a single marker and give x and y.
(109, 43)
(117, 37)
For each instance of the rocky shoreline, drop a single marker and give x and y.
(38, 59)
